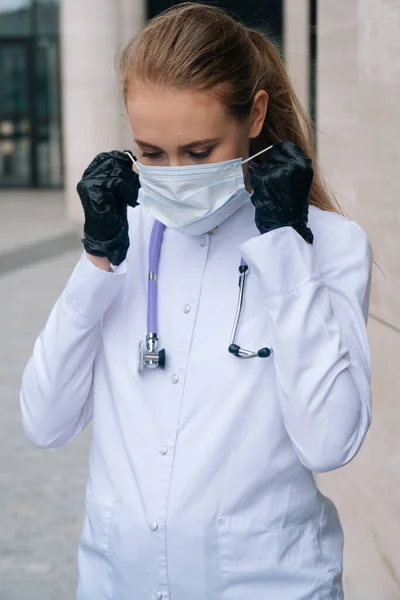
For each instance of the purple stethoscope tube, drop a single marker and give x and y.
(156, 238)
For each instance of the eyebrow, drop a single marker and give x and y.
(185, 146)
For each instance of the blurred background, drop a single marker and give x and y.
(59, 106)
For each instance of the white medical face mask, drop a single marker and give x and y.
(193, 199)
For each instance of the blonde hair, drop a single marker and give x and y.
(200, 47)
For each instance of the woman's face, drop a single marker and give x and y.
(176, 128)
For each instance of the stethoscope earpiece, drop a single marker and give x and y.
(264, 352)
(243, 353)
(234, 349)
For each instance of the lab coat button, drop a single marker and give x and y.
(163, 450)
(186, 308)
(153, 525)
(174, 378)
(158, 596)
(203, 242)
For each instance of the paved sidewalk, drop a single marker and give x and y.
(41, 492)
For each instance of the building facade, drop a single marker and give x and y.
(30, 120)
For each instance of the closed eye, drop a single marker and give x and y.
(200, 155)
(193, 155)
(152, 154)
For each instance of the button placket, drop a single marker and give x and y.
(178, 363)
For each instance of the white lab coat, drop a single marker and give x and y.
(201, 484)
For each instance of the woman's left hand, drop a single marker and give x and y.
(281, 190)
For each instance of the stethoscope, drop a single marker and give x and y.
(150, 356)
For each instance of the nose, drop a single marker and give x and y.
(177, 161)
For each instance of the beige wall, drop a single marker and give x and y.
(358, 108)
(297, 47)
(93, 114)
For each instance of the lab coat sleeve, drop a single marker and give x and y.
(317, 300)
(56, 385)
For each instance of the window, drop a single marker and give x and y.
(30, 129)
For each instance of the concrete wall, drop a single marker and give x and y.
(358, 108)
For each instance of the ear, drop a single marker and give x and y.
(257, 117)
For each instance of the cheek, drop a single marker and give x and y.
(235, 146)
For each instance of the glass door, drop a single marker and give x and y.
(30, 123)
(48, 143)
(17, 127)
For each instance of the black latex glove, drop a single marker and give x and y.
(281, 190)
(107, 186)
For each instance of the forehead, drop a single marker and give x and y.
(175, 117)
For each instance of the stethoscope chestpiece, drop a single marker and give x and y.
(149, 356)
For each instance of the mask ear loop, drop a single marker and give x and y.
(134, 161)
(258, 154)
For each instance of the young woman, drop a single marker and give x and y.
(201, 479)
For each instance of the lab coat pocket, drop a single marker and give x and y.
(93, 558)
(258, 563)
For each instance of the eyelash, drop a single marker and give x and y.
(194, 155)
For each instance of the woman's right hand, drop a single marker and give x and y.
(107, 186)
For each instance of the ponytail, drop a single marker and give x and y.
(286, 119)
